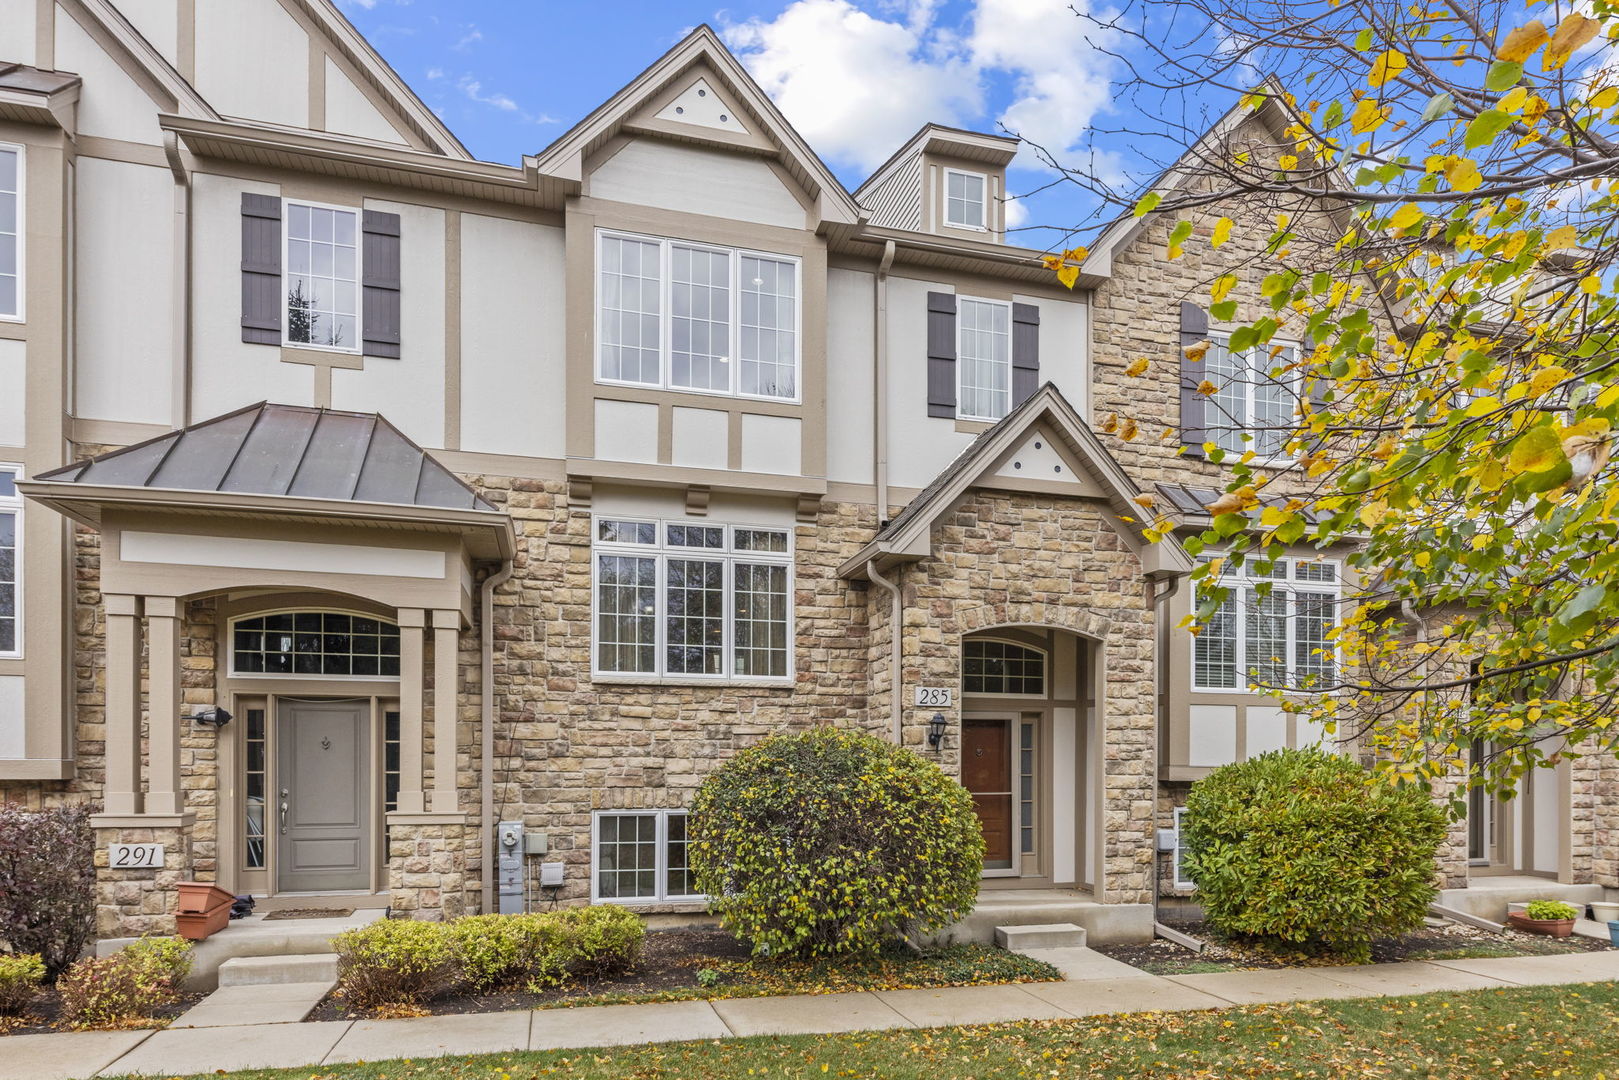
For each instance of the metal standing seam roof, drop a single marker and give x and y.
(288, 450)
(1191, 500)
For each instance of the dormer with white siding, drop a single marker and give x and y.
(945, 181)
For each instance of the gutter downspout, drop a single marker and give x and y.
(895, 700)
(880, 397)
(180, 316)
(1160, 614)
(486, 722)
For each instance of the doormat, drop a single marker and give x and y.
(310, 913)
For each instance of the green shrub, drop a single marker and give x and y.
(598, 940)
(126, 988)
(831, 841)
(20, 976)
(501, 952)
(1301, 847)
(1550, 910)
(47, 883)
(396, 962)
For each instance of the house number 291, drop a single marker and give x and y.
(135, 856)
(934, 697)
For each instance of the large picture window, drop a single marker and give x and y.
(984, 359)
(1253, 409)
(679, 315)
(323, 277)
(10, 562)
(11, 232)
(315, 643)
(684, 600)
(640, 856)
(1283, 639)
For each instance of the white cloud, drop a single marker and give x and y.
(472, 88)
(470, 35)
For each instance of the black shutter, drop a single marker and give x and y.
(379, 312)
(262, 303)
(1194, 329)
(1025, 352)
(942, 355)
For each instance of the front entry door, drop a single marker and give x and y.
(986, 772)
(323, 810)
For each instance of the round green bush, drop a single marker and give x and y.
(1302, 848)
(832, 842)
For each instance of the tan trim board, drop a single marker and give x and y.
(682, 476)
(37, 769)
(87, 430)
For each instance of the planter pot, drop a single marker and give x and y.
(1613, 934)
(199, 897)
(1550, 927)
(1604, 912)
(196, 925)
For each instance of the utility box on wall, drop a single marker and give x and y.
(509, 867)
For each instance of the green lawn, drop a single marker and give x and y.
(1567, 1032)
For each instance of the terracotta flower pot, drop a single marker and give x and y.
(198, 897)
(1550, 927)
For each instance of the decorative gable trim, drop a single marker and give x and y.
(701, 105)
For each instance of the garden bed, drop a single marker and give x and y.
(44, 1014)
(685, 964)
(1448, 942)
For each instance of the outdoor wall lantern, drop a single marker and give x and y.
(936, 731)
(213, 716)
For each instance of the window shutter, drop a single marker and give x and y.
(1025, 352)
(262, 302)
(942, 355)
(379, 313)
(1194, 328)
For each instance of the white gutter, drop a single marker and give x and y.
(880, 433)
(180, 389)
(895, 700)
(486, 721)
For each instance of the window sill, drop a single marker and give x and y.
(675, 680)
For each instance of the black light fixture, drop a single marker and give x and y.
(936, 731)
(213, 716)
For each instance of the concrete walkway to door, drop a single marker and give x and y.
(1095, 986)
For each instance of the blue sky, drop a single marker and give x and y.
(855, 77)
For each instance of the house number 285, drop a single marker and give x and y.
(934, 697)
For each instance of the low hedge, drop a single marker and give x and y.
(127, 988)
(20, 976)
(406, 962)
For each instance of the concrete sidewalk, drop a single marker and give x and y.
(1100, 988)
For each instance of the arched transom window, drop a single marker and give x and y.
(315, 643)
(992, 666)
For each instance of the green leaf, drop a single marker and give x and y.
(1581, 603)
(1333, 116)
(1224, 311)
(1503, 75)
(1148, 203)
(1438, 106)
(1242, 338)
(1363, 40)
(1485, 127)
(1180, 232)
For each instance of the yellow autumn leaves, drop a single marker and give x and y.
(1066, 265)
(1573, 32)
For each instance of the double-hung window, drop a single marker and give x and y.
(10, 562)
(687, 600)
(964, 199)
(323, 277)
(1256, 404)
(11, 231)
(1281, 639)
(983, 359)
(640, 857)
(679, 315)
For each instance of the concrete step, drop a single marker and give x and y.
(262, 970)
(263, 1003)
(1040, 936)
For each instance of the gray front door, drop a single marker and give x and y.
(324, 807)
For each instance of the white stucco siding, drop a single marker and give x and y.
(159, 23)
(919, 446)
(1065, 348)
(227, 372)
(513, 372)
(696, 181)
(409, 390)
(13, 728)
(13, 392)
(350, 112)
(17, 30)
(253, 61)
(850, 394)
(124, 258)
(111, 104)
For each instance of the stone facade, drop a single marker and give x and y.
(130, 903)
(427, 868)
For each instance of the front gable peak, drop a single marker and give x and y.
(701, 105)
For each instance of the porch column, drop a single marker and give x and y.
(123, 709)
(412, 623)
(164, 794)
(446, 644)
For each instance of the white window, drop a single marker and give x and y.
(983, 359)
(1252, 409)
(688, 600)
(640, 857)
(323, 277)
(964, 199)
(11, 231)
(10, 562)
(684, 316)
(1181, 880)
(1281, 639)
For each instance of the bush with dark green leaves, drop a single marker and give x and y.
(47, 883)
(1303, 848)
(831, 842)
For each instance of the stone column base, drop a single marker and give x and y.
(130, 903)
(427, 866)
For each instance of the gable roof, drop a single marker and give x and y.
(908, 535)
(113, 31)
(565, 157)
(993, 150)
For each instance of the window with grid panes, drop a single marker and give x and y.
(640, 856)
(1256, 405)
(10, 562)
(1284, 638)
(992, 666)
(983, 359)
(323, 277)
(11, 231)
(689, 600)
(315, 643)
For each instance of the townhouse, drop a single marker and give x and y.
(357, 496)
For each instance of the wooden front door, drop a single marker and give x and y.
(986, 772)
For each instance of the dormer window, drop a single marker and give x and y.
(964, 199)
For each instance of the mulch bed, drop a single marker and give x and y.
(309, 913)
(44, 1014)
(1430, 943)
